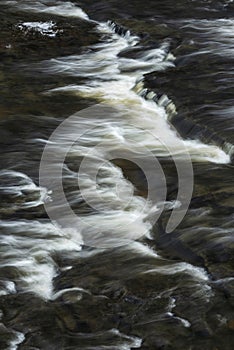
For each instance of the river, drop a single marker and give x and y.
(116, 180)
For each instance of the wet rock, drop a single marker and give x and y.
(18, 41)
(5, 336)
(230, 325)
(157, 343)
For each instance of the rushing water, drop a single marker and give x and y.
(133, 79)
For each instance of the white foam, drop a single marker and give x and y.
(21, 186)
(44, 28)
(9, 288)
(19, 338)
(74, 289)
(59, 8)
(122, 216)
(135, 125)
(118, 216)
(29, 249)
(171, 306)
(113, 79)
(197, 273)
(124, 341)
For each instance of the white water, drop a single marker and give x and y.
(7, 287)
(19, 338)
(140, 124)
(196, 272)
(171, 306)
(113, 82)
(21, 187)
(28, 249)
(135, 124)
(59, 8)
(122, 341)
(44, 28)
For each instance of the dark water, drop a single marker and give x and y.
(165, 290)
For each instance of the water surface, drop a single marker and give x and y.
(166, 70)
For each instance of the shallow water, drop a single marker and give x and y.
(141, 99)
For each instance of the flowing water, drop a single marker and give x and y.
(138, 98)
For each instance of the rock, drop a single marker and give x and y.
(230, 324)
(18, 41)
